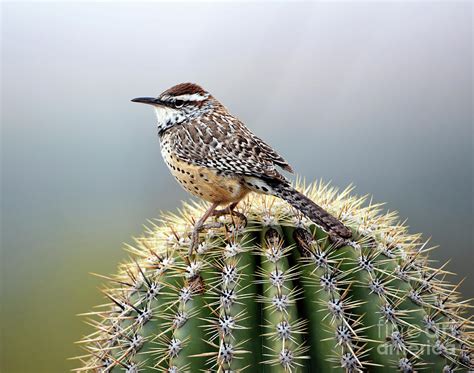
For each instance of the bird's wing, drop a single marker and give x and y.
(228, 146)
(268, 150)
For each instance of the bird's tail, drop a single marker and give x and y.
(314, 212)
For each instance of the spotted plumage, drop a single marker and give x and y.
(215, 157)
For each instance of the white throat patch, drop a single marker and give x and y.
(167, 117)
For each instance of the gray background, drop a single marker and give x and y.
(378, 94)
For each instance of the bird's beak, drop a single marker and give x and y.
(147, 100)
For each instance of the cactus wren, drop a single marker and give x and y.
(215, 157)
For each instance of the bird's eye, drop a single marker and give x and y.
(179, 103)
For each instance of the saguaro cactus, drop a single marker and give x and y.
(275, 296)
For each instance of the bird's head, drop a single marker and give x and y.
(178, 104)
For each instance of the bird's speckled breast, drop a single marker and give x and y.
(203, 182)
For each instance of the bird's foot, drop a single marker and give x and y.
(195, 234)
(199, 226)
(232, 213)
(215, 225)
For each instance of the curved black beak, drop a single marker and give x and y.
(147, 100)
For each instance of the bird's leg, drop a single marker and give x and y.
(229, 210)
(225, 211)
(198, 227)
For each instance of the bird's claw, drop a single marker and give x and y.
(195, 234)
(232, 213)
(215, 225)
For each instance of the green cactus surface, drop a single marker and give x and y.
(272, 294)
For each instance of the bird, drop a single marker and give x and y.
(215, 157)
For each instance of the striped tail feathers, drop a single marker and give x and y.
(283, 190)
(314, 212)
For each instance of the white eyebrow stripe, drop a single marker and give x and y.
(193, 97)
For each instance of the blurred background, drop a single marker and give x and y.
(375, 94)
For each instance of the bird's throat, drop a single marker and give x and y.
(167, 117)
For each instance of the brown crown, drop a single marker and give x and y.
(184, 89)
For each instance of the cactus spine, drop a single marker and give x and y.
(275, 296)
